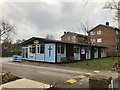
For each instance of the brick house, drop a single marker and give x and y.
(72, 37)
(107, 36)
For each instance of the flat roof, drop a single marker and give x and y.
(44, 40)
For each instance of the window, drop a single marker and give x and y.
(99, 40)
(74, 37)
(42, 49)
(92, 33)
(60, 49)
(68, 38)
(116, 32)
(93, 40)
(95, 50)
(102, 51)
(33, 48)
(99, 32)
(117, 41)
(76, 49)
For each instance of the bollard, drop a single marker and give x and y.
(99, 82)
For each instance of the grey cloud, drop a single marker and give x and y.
(40, 18)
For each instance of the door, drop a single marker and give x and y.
(25, 52)
(50, 53)
(69, 51)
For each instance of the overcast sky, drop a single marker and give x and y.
(54, 17)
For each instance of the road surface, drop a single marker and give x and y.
(47, 73)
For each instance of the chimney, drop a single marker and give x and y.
(107, 23)
(64, 32)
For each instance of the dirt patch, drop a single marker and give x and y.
(8, 77)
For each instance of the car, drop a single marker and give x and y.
(17, 58)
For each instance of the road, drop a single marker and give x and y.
(47, 73)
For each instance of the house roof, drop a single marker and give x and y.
(74, 34)
(44, 40)
(114, 28)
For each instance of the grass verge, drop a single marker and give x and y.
(100, 64)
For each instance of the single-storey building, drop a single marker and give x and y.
(45, 50)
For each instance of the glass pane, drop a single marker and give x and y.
(62, 50)
(42, 47)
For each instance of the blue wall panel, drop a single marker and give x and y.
(50, 54)
(77, 56)
(40, 57)
(88, 55)
(59, 56)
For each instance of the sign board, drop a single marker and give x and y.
(36, 41)
(83, 51)
(31, 55)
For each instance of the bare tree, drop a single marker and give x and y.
(49, 36)
(6, 31)
(114, 5)
(85, 29)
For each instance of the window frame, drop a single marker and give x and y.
(38, 49)
(61, 49)
(99, 40)
(33, 49)
(76, 49)
(99, 32)
(92, 33)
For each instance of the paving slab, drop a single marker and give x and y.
(25, 83)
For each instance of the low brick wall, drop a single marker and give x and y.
(99, 82)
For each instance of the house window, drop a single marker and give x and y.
(117, 41)
(76, 49)
(116, 32)
(117, 48)
(42, 49)
(92, 33)
(99, 40)
(93, 40)
(33, 48)
(88, 49)
(99, 32)
(68, 38)
(74, 37)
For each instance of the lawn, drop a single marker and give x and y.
(100, 64)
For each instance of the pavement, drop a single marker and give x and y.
(53, 74)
